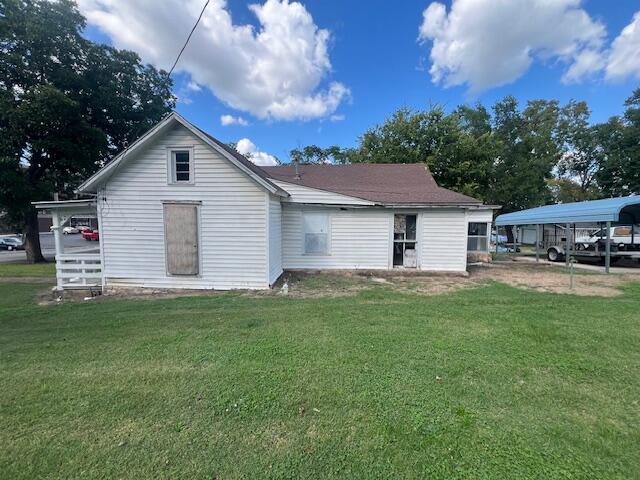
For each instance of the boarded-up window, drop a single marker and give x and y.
(181, 238)
(316, 233)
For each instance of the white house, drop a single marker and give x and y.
(180, 209)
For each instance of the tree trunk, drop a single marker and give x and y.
(32, 237)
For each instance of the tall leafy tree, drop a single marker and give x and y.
(528, 152)
(66, 105)
(580, 160)
(619, 148)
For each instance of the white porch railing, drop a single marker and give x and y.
(78, 270)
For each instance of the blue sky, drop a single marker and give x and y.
(374, 53)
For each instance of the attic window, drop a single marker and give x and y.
(181, 165)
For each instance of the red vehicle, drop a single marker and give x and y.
(83, 228)
(89, 235)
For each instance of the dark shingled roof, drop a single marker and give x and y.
(381, 183)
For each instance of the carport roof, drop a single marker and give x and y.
(617, 210)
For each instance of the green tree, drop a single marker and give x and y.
(566, 190)
(457, 147)
(528, 151)
(313, 154)
(619, 150)
(66, 105)
(578, 139)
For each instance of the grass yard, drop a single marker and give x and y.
(483, 383)
(24, 270)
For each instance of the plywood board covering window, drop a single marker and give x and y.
(316, 233)
(181, 238)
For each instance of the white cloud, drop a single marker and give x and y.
(624, 57)
(193, 86)
(247, 147)
(337, 118)
(226, 120)
(487, 43)
(274, 71)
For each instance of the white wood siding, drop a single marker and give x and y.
(300, 194)
(359, 238)
(232, 219)
(480, 216)
(444, 240)
(275, 238)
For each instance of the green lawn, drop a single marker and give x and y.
(490, 382)
(27, 270)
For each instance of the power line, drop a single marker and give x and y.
(189, 37)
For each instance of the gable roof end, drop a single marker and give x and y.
(251, 170)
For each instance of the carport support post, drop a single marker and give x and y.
(567, 249)
(537, 243)
(514, 232)
(607, 249)
(57, 239)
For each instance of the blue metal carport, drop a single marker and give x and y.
(621, 210)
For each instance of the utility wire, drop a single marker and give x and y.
(189, 37)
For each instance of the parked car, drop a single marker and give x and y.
(70, 230)
(89, 235)
(83, 228)
(11, 243)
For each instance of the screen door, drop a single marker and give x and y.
(181, 238)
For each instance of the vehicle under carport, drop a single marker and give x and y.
(621, 211)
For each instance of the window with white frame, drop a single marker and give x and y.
(478, 240)
(316, 233)
(181, 165)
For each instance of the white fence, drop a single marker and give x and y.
(78, 270)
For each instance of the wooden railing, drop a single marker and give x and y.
(78, 270)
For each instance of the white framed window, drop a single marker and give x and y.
(180, 161)
(477, 238)
(315, 227)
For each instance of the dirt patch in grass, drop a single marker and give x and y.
(543, 278)
(348, 282)
(546, 278)
(319, 284)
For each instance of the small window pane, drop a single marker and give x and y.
(411, 227)
(182, 157)
(477, 244)
(181, 166)
(477, 228)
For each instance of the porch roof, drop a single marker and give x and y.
(67, 206)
